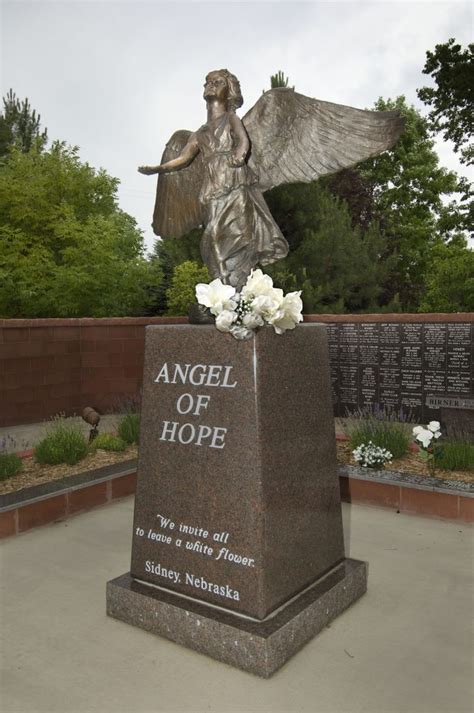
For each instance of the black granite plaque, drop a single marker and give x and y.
(399, 365)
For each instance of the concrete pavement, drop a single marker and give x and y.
(405, 647)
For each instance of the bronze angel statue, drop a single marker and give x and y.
(216, 175)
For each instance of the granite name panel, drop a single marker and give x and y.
(408, 367)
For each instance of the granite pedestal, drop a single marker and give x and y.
(237, 539)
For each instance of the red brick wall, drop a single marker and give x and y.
(49, 366)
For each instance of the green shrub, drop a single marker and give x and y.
(108, 442)
(64, 443)
(392, 436)
(129, 428)
(455, 455)
(10, 465)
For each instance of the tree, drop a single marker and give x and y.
(452, 99)
(181, 294)
(279, 80)
(410, 192)
(337, 266)
(168, 254)
(19, 125)
(450, 279)
(67, 249)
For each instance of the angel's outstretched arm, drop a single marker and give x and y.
(242, 143)
(188, 153)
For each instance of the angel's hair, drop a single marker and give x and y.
(235, 99)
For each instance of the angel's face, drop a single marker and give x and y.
(216, 87)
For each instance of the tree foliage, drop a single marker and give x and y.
(450, 279)
(67, 249)
(20, 125)
(181, 294)
(410, 192)
(337, 266)
(452, 98)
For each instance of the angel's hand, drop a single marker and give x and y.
(236, 160)
(149, 170)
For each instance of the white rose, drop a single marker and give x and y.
(434, 426)
(424, 437)
(216, 296)
(417, 430)
(257, 284)
(240, 332)
(293, 306)
(225, 319)
(266, 305)
(288, 314)
(252, 320)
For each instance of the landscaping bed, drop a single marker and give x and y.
(33, 473)
(409, 463)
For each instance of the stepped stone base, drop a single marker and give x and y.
(259, 647)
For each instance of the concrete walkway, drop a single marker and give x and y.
(405, 647)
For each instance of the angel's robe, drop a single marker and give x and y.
(240, 231)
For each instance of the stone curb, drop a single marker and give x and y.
(58, 500)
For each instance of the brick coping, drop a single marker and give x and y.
(140, 321)
(58, 500)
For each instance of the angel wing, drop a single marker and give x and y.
(177, 208)
(297, 139)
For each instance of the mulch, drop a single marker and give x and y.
(34, 473)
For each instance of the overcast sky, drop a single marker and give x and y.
(118, 78)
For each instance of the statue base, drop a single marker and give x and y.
(259, 647)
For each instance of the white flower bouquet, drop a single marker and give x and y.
(370, 456)
(258, 303)
(424, 438)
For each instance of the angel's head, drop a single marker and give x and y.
(222, 85)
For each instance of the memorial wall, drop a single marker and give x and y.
(416, 368)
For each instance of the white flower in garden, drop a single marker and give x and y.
(216, 296)
(425, 437)
(225, 319)
(251, 320)
(417, 430)
(240, 332)
(434, 426)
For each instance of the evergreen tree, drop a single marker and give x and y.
(337, 266)
(19, 125)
